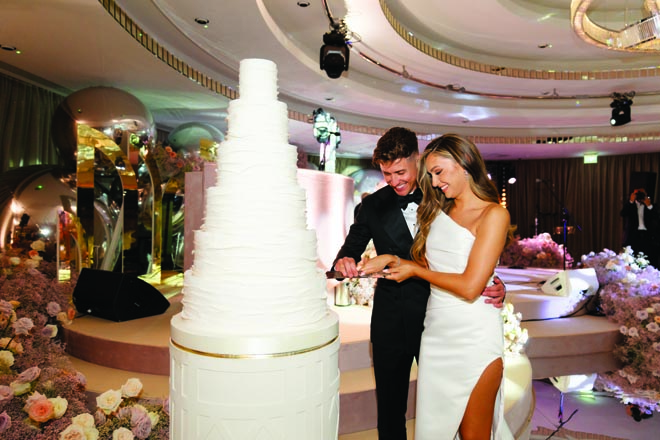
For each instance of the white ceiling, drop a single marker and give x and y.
(69, 45)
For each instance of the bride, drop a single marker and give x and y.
(462, 232)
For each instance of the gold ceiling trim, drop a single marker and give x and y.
(209, 83)
(513, 72)
(639, 37)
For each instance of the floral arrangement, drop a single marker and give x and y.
(172, 165)
(538, 251)
(630, 297)
(42, 396)
(515, 337)
(361, 290)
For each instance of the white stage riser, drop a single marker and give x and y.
(294, 397)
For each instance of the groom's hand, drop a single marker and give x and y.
(347, 267)
(495, 294)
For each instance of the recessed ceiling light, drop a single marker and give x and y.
(544, 46)
(303, 4)
(330, 98)
(8, 48)
(203, 21)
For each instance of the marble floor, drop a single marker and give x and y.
(595, 413)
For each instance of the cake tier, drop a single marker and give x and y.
(255, 163)
(265, 121)
(258, 80)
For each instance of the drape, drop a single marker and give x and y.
(592, 196)
(26, 113)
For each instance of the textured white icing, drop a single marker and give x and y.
(255, 262)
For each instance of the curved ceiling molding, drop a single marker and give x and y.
(639, 37)
(209, 83)
(513, 72)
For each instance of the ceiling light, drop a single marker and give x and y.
(621, 108)
(8, 48)
(203, 21)
(334, 53)
(303, 4)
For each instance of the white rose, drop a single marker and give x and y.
(38, 245)
(132, 388)
(15, 261)
(122, 434)
(109, 401)
(73, 432)
(85, 420)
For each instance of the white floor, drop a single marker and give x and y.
(596, 413)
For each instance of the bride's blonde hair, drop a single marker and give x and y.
(467, 156)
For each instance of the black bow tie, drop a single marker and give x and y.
(415, 196)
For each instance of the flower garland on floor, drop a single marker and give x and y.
(538, 251)
(630, 297)
(42, 396)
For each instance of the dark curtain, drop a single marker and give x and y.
(26, 113)
(591, 195)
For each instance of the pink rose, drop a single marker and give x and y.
(29, 375)
(34, 398)
(5, 422)
(42, 411)
(53, 308)
(6, 393)
(22, 326)
(5, 308)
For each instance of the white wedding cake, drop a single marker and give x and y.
(255, 261)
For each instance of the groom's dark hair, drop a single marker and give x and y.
(396, 143)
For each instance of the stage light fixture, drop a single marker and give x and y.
(621, 108)
(334, 53)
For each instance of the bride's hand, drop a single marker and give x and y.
(400, 273)
(376, 264)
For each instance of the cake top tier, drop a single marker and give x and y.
(257, 80)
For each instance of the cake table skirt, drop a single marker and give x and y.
(293, 396)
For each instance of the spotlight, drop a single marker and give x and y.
(334, 53)
(621, 108)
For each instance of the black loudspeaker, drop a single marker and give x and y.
(116, 296)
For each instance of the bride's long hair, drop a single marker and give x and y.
(465, 154)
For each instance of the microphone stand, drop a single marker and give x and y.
(565, 216)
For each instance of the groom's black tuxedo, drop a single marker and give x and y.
(397, 318)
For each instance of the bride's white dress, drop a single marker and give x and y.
(460, 340)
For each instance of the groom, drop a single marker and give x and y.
(389, 217)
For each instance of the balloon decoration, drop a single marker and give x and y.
(95, 130)
(196, 138)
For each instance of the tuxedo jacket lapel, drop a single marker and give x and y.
(394, 224)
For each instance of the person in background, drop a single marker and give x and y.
(389, 217)
(462, 232)
(641, 228)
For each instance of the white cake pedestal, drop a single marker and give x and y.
(274, 394)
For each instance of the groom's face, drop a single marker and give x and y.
(401, 174)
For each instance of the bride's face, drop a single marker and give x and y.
(447, 175)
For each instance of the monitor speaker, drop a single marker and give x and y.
(566, 282)
(116, 296)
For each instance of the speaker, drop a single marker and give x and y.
(116, 296)
(566, 282)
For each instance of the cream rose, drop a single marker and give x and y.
(132, 388)
(122, 434)
(60, 405)
(73, 432)
(19, 388)
(15, 261)
(6, 359)
(85, 420)
(38, 245)
(109, 401)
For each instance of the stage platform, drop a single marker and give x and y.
(110, 352)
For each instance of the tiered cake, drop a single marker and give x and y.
(255, 261)
(254, 352)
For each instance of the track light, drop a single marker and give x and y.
(621, 108)
(334, 53)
